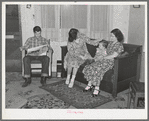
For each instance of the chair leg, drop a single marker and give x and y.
(135, 102)
(129, 100)
(114, 94)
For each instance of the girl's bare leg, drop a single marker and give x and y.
(68, 75)
(73, 77)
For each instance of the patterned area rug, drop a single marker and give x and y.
(75, 96)
(46, 101)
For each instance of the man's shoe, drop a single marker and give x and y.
(43, 81)
(27, 82)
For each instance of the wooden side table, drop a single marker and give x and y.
(63, 53)
(136, 91)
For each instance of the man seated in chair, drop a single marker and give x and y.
(34, 53)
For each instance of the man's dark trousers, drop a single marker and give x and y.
(27, 65)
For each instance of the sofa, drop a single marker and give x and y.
(126, 69)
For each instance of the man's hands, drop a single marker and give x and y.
(86, 57)
(22, 48)
(37, 50)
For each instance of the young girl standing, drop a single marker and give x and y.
(76, 50)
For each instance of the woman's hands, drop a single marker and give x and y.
(83, 57)
(115, 54)
(77, 40)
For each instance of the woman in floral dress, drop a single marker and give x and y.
(76, 51)
(94, 72)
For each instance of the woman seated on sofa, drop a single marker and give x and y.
(96, 70)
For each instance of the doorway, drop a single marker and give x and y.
(13, 39)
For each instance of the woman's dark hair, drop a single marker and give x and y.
(36, 29)
(72, 34)
(118, 34)
(104, 43)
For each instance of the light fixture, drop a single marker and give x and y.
(28, 6)
(136, 6)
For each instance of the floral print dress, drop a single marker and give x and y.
(77, 49)
(100, 53)
(95, 71)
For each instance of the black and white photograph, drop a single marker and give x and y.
(74, 60)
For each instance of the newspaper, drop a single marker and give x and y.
(37, 49)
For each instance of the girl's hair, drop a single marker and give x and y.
(72, 34)
(104, 43)
(118, 34)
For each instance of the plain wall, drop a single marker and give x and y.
(119, 18)
(136, 31)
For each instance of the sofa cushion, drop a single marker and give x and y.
(87, 62)
(125, 53)
(91, 49)
(132, 48)
(129, 49)
(108, 75)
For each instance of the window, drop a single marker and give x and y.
(99, 17)
(57, 20)
(48, 16)
(99, 21)
(73, 16)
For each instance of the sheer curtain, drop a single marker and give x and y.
(99, 22)
(46, 17)
(72, 16)
(57, 20)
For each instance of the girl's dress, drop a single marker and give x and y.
(77, 49)
(100, 53)
(95, 71)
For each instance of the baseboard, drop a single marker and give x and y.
(80, 84)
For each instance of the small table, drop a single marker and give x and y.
(63, 53)
(136, 91)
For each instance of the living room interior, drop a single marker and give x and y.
(96, 21)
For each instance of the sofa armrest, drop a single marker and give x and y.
(125, 70)
(126, 66)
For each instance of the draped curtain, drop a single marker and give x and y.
(49, 21)
(99, 21)
(57, 20)
(72, 16)
(48, 16)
